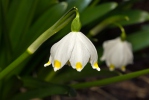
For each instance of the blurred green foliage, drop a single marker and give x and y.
(23, 21)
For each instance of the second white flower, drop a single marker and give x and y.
(117, 54)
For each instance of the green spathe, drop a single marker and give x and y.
(76, 24)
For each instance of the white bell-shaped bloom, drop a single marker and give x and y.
(74, 48)
(117, 54)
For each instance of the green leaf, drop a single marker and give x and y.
(44, 5)
(1, 23)
(139, 40)
(20, 17)
(5, 51)
(1, 90)
(12, 12)
(2, 53)
(8, 85)
(94, 3)
(102, 25)
(42, 89)
(87, 72)
(4, 5)
(135, 16)
(92, 13)
(127, 4)
(80, 4)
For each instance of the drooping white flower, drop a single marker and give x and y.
(117, 54)
(74, 48)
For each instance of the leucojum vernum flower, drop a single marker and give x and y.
(74, 48)
(117, 54)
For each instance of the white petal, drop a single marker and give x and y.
(48, 63)
(125, 55)
(107, 45)
(129, 53)
(80, 55)
(61, 51)
(90, 47)
(116, 55)
(111, 52)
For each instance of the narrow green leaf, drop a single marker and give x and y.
(87, 72)
(127, 4)
(1, 90)
(42, 89)
(102, 25)
(94, 3)
(8, 85)
(41, 92)
(80, 4)
(0, 22)
(3, 55)
(135, 16)
(12, 12)
(5, 4)
(139, 39)
(1, 19)
(22, 17)
(92, 13)
(44, 5)
(5, 51)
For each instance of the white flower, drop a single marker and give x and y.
(74, 48)
(117, 54)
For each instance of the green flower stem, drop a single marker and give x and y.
(105, 23)
(14, 64)
(61, 23)
(108, 81)
(123, 34)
